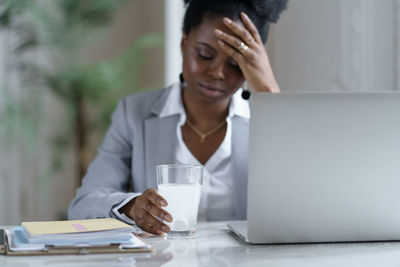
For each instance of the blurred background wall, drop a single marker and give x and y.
(29, 189)
(350, 45)
(318, 45)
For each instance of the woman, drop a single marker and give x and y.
(202, 120)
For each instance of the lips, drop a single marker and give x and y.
(211, 90)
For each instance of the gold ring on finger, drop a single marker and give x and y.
(242, 47)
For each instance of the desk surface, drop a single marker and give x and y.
(214, 245)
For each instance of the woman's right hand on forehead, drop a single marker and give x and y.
(144, 208)
(248, 50)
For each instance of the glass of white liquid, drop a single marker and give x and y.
(180, 185)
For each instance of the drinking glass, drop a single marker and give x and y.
(180, 185)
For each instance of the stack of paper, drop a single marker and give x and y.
(95, 231)
(107, 232)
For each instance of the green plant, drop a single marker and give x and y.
(59, 32)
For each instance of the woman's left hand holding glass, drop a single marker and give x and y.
(250, 54)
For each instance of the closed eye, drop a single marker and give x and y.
(205, 57)
(234, 64)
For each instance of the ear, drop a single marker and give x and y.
(183, 42)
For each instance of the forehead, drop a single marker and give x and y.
(205, 31)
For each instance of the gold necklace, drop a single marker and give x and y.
(204, 135)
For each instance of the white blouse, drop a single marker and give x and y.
(217, 191)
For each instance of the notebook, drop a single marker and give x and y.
(41, 229)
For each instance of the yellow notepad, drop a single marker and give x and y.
(73, 226)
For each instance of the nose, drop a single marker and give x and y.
(216, 70)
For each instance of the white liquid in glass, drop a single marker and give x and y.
(183, 204)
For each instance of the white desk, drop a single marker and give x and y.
(214, 245)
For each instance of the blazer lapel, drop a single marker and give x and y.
(160, 140)
(240, 140)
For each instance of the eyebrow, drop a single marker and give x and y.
(207, 45)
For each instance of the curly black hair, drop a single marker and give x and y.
(261, 12)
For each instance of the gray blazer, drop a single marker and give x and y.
(138, 140)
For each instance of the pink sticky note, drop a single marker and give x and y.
(79, 227)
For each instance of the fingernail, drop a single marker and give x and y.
(162, 202)
(165, 228)
(227, 20)
(168, 218)
(221, 43)
(159, 232)
(218, 32)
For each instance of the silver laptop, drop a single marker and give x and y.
(323, 167)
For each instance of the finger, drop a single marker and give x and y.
(153, 209)
(235, 54)
(147, 218)
(149, 228)
(251, 27)
(240, 31)
(229, 39)
(153, 196)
